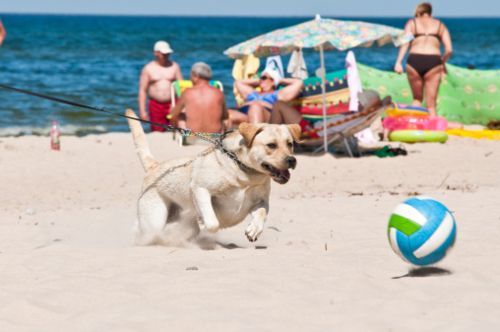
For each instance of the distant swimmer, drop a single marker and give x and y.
(155, 83)
(204, 106)
(3, 33)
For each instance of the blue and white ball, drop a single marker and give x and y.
(421, 230)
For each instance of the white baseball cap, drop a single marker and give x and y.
(163, 47)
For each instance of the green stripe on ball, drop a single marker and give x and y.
(406, 226)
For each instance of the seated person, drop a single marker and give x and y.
(285, 114)
(258, 105)
(203, 105)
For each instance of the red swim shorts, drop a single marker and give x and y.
(158, 114)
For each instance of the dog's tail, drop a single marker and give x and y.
(141, 144)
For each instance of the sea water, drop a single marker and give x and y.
(96, 60)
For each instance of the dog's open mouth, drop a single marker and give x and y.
(279, 175)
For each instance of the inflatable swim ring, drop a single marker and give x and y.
(415, 136)
(414, 122)
(402, 110)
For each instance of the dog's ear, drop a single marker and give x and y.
(248, 131)
(296, 131)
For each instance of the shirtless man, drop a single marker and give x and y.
(3, 33)
(156, 80)
(204, 106)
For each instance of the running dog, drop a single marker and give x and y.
(212, 189)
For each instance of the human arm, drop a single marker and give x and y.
(246, 87)
(448, 48)
(398, 67)
(3, 33)
(225, 112)
(226, 120)
(291, 90)
(179, 106)
(143, 86)
(178, 73)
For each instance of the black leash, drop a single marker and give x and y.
(186, 132)
(99, 109)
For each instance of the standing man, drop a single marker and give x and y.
(204, 106)
(3, 33)
(155, 82)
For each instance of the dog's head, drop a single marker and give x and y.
(270, 148)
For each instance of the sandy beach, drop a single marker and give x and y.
(323, 263)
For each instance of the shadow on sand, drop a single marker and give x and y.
(422, 272)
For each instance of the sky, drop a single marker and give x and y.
(335, 8)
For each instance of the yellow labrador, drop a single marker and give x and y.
(212, 188)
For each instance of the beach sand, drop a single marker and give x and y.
(323, 263)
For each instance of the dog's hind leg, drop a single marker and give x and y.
(180, 232)
(152, 213)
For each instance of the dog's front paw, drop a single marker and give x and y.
(211, 226)
(253, 231)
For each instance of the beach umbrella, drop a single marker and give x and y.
(322, 35)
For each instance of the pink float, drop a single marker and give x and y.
(408, 122)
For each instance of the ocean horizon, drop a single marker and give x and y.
(96, 59)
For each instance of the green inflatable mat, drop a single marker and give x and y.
(465, 96)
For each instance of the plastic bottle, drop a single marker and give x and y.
(55, 133)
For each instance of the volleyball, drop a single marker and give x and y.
(421, 230)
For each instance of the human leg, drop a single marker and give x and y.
(284, 114)
(416, 85)
(236, 117)
(257, 113)
(431, 87)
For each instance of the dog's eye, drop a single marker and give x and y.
(289, 144)
(272, 146)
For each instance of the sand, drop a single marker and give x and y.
(322, 264)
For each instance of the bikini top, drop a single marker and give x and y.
(436, 35)
(270, 98)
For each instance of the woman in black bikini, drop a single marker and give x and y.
(425, 64)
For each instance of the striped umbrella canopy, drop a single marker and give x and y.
(326, 33)
(321, 34)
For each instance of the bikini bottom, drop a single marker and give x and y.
(244, 108)
(423, 63)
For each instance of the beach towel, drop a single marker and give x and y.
(353, 81)
(366, 135)
(466, 96)
(275, 63)
(246, 67)
(297, 66)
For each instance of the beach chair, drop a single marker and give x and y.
(342, 124)
(342, 127)
(343, 120)
(310, 102)
(177, 88)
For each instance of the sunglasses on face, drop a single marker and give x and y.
(263, 78)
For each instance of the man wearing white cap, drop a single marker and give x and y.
(155, 82)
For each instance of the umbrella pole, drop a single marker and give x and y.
(323, 92)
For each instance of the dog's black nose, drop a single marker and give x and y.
(291, 161)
